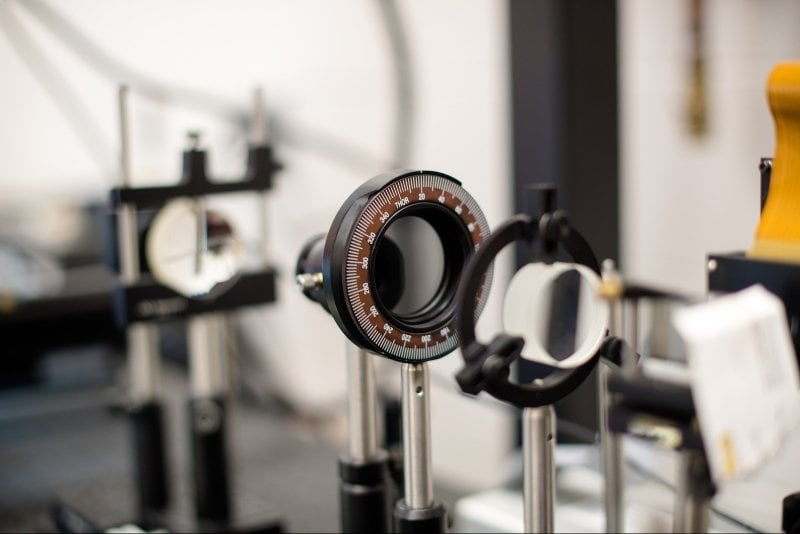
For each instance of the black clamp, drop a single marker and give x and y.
(487, 367)
(195, 182)
(554, 226)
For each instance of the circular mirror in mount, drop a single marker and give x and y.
(192, 250)
(558, 311)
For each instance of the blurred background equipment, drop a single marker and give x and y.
(193, 269)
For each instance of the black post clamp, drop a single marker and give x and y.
(487, 366)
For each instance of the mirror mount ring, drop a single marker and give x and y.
(487, 366)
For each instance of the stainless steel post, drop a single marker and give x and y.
(415, 398)
(692, 501)
(142, 354)
(611, 447)
(259, 136)
(697, 514)
(364, 490)
(208, 370)
(539, 435)
(630, 333)
(361, 405)
(625, 323)
(611, 442)
(259, 129)
(207, 414)
(143, 363)
(681, 494)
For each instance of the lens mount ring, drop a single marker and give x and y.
(352, 245)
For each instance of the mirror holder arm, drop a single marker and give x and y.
(487, 367)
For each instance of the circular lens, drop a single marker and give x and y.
(392, 261)
(421, 261)
(390, 280)
(433, 249)
(193, 251)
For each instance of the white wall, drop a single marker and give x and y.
(327, 74)
(684, 198)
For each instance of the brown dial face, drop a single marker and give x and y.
(412, 193)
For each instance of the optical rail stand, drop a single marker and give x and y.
(140, 302)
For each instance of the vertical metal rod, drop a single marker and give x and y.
(264, 221)
(142, 358)
(697, 514)
(201, 234)
(143, 365)
(208, 376)
(415, 398)
(611, 447)
(361, 405)
(681, 493)
(630, 333)
(230, 349)
(691, 507)
(611, 442)
(259, 129)
(259, 136)
(127, 235)
(124, 139)
(207, 366)
(207, 413)
(539, 435)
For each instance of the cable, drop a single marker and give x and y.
(404, 87)
(334, 150)
(115, 70)
(58, 88)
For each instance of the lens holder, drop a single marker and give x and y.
(357, 272)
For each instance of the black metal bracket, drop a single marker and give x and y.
(261, 165)
(149, 301)
(487, 367)
(662, 413)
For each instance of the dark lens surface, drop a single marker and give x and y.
(421, 264)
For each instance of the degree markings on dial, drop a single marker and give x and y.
(387, 202)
